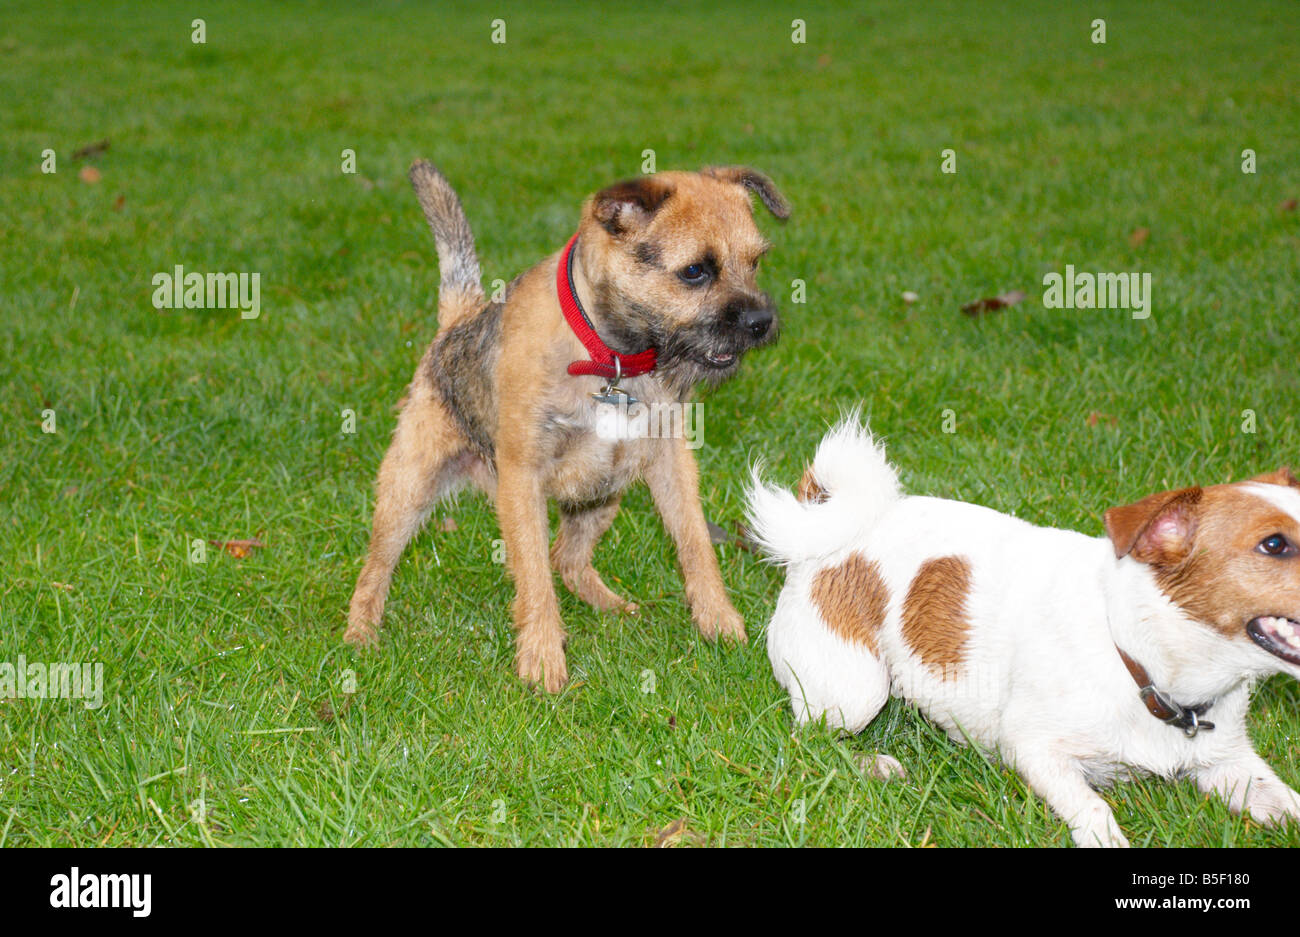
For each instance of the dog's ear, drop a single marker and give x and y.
(630, 204)
(755, 181)
(1282, 476)
(1158, 529)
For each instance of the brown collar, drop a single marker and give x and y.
(1162, 706)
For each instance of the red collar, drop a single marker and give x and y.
(603, 358)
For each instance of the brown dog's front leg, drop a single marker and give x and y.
(674, 481)
(521, 511)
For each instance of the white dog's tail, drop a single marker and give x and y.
(847, 488)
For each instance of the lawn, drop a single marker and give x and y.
(234, 715)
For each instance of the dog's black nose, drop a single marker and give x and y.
(756, 321)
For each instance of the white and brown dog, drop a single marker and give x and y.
(1078, 659)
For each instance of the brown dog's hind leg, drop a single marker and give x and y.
(580, 530)
(427, 460)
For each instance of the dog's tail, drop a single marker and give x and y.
(846, 489)
(461, 292)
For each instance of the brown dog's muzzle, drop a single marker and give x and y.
(752, 317)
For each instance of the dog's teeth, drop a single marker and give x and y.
(1284, 627)
(1293, 640)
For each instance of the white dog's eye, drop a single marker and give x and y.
(1276, 545)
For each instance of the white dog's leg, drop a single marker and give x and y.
(1060, 782)
(824, 674)
(849, 695)
(1246, 782)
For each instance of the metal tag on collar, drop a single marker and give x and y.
(611, 393)
(1187, 719)
(1194, 724)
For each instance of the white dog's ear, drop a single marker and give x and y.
(1158, 529)
(1282, 476)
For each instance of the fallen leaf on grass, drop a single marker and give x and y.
(1139, 237)
(722, 537)
(1001, 301)
(880, 767)
(119, 202)
(718, 534)
(1094, 418)
(448, 524)
(325, 712)
(239, 549)
(91, 149)
(674, 833)
(669, 832)
(1289, 205)
(89, 175)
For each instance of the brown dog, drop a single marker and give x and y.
(655, 294)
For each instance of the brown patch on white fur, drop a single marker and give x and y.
(935, 622)
(852, 598)
(810, 492)
(1202, 547)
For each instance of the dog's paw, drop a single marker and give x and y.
(361, 635)
(722, 624)
(364, 613)
(542, 665)
(1252, 788)
(616, 605)
(587, 585)
(1273, 804)
(1099, 831)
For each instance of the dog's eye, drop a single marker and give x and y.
(1276, 545)
(694, 274)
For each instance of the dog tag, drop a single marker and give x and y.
(611, 393)
(615, 396)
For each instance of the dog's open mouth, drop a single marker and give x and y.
(719, 359)
(1279, 636)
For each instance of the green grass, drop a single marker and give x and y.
(223, 678)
